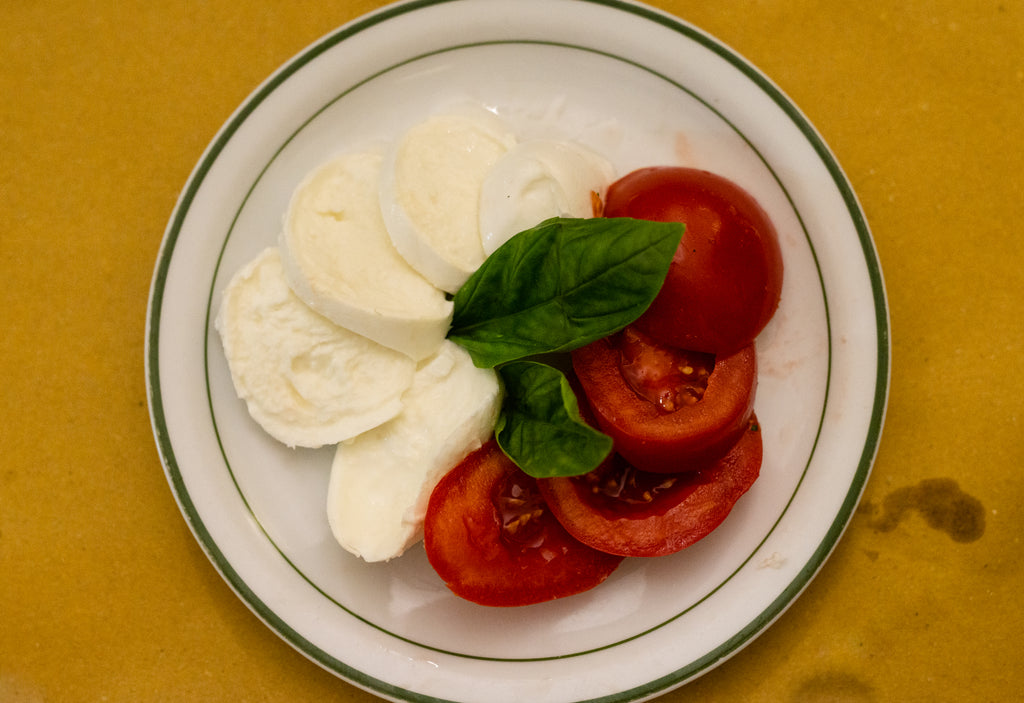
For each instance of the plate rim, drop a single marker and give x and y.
(828, 540)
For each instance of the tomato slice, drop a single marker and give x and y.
(725, 280)
(492, 539)
(667, 410)
(621, 510)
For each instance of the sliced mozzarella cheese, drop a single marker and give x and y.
(430, 192)
(305, 380)
(537, 180)
(381, 481)
(340, 260)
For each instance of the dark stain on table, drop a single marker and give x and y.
(940, 501)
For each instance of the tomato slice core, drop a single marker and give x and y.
(621, 510)
(521, 509)
(619, 488)
(492, 539)
(666, 376)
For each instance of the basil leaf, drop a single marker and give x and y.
(561, 285)
(540, 428)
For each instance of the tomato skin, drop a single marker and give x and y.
(676, 517)
(689, 438)
(725, 280)
(481, 560)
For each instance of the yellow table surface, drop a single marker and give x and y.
(105, 106)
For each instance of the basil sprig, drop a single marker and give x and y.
(554, 288)
(561, 285)
(540, 427)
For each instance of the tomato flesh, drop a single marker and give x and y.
(725, 281)
(493, 540)
(666, 409)
(621, 510)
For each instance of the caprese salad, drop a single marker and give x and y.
(536, 367)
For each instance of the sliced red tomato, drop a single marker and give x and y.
(621, 510)
(667, 409)
(492, 539)
(725, 280)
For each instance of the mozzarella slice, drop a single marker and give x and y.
(339, 259)
(305, 380)
(381, 481)
(430, 192)
(537, 180)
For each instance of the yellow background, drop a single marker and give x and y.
(105, 106)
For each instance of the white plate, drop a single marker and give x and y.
(643, 88)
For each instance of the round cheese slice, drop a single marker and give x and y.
(381, 481)
(305, 380)
(430, 192)
(339, 259)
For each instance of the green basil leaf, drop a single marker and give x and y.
(540, 428)
(561, 285)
